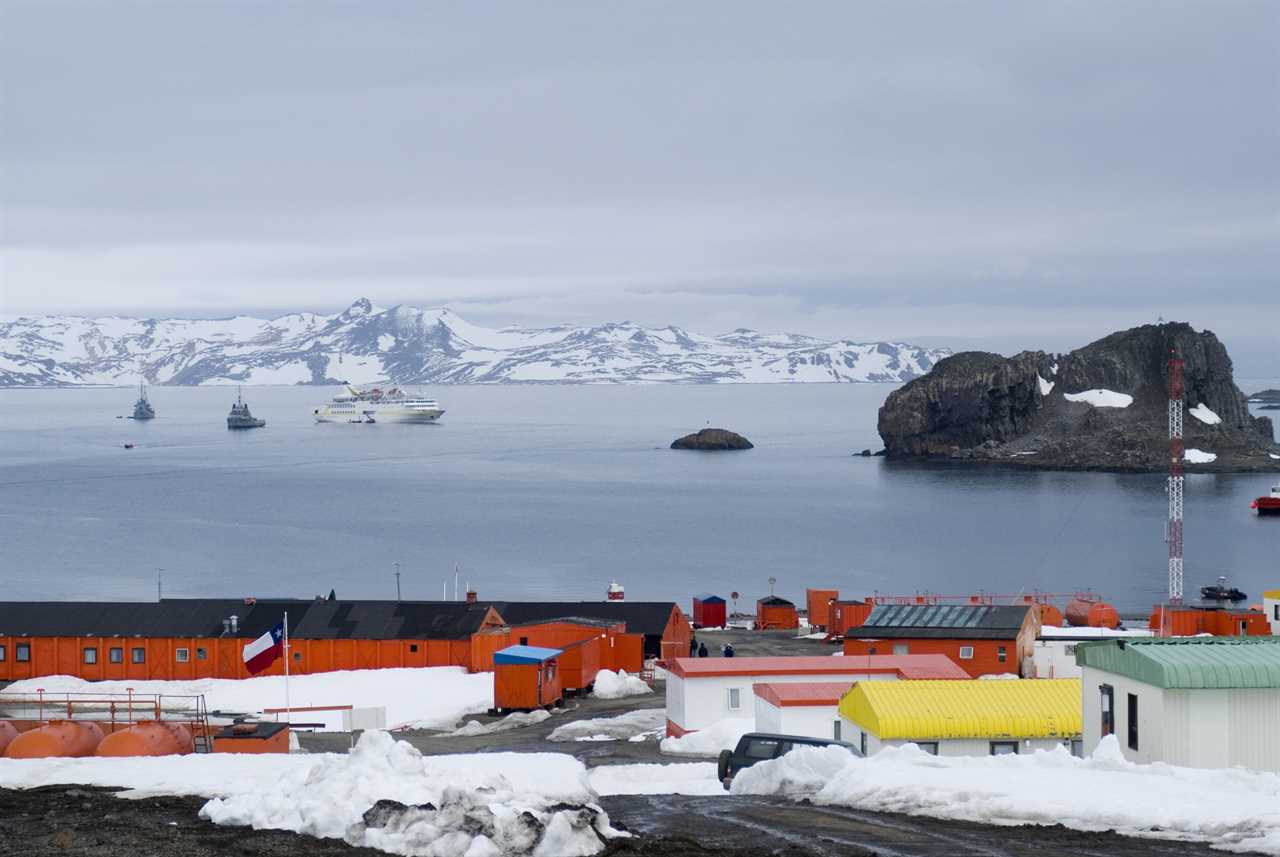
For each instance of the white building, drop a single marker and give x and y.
(802, 708)
(964, 718)
(702, 691)
(1203, 702)
(1271, 604)
(1054, 653)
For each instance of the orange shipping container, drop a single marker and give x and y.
(776, 614)
(526, 677)
(818, 603)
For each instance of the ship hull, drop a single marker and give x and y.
(1266, 506)
(357, 411)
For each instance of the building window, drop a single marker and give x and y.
(3, 653)
(115, 655)
(835, 731)
(297, 656)
(524, 641)
(1070, 649)
(1133, 721)
(90, 655)
(1077, 747)
(1108, 710)
(413, 647)
(735, 698)
(862, 744)
(139, 655)
(22, 652)
(1275, 612)
(1004, 748)
(930, 747)
(966, 653)
(202, 654)
(1001, 654)
(182, 655)
(900, 648)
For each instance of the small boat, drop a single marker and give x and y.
(128, 446)
(1267, 505)
(240, 418)
(142, 409)
(1221, 592)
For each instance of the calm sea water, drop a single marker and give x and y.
(553, 491)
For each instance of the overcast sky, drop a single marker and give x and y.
(999, 174)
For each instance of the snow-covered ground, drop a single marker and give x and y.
(1199, 456)
(1233, 809)
(1101, 398)
(418, 698)
(1047, 631)
(616, 685)
(476, 800)
(514, 720)
(721, 735)
(644, 724)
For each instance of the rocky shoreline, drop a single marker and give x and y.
(1103, 407)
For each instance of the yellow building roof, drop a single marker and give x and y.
(993, 708)
(1273, 594)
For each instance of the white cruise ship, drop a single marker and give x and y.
(375, 406)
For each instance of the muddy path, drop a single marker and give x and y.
(785, 829)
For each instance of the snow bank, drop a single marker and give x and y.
(1046, 387)
(1199, 456)
(616, 685)
(721, 735)
(634, 724)
(1101, 398)
(688, 778)
(1234, 809)
(514, 720)
(387, 795)
(1273, 455)
(1204, 415)
(415, 698)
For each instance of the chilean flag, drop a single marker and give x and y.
(262, 652)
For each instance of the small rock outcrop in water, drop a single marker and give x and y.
(1101, 407)
(712, 439)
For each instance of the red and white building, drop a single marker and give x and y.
(804, 708)
(702, 691)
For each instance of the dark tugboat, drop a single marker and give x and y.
(142, 409)
(240, 418)
(1221, 592)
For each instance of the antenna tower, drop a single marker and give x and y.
(1173, 529)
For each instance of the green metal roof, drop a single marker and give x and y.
(1190, 662)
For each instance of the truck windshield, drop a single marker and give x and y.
(760, 748)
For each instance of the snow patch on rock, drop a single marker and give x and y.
(1199, 456)
(1101, 398)
(1204, 415)
(1046, 387)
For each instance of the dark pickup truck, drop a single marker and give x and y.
(761, 746)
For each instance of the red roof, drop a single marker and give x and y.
(803, 693)
(905, 666)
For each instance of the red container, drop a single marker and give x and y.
(709, 611)
(1087, 613)
(818, 603)
(148, 738)
(59, 738)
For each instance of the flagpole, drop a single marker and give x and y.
(288, 710)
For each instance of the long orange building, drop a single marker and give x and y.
(204, 638)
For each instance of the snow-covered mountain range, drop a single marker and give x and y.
(406, 345)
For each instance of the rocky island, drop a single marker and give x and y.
(712, 439)
(1268, 400)
(1100, 407)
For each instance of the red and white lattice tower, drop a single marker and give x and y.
(1173, 532)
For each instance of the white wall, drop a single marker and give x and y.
(1272, 608)
(696, 702)
(1151, 714)
(854, 734)
(1054, 659)
(768, 716)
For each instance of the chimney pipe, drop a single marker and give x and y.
(235, 623)
(471, 596)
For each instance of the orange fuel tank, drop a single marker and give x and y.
(1084, 613)
(1050, 615)
(148, 738)
(7, 733)
(56, 738)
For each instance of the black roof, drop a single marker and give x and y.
(642, 617)
(203, 617)
(775, 601)
(968, 621)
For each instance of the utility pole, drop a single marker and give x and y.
(159, 585)
(397, 581)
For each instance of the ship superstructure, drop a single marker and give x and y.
(377, 405)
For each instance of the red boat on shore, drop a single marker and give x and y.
(1267, 505)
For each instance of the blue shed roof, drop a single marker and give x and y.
(708, 598)
(525, 655)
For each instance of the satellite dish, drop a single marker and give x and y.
(734, 596)
(772, 581)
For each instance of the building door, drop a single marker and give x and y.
(1108, 710)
